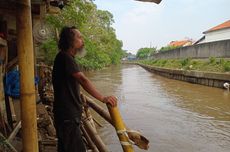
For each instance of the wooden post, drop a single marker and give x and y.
(26, 69)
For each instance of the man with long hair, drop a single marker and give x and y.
(67, 78)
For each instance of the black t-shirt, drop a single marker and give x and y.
(67, 101)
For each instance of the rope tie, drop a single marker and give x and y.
(125, 143)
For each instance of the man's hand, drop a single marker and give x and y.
(89, 87)
(112, 100)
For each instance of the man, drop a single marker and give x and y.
(67, 79)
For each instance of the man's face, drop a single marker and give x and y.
(78, 43)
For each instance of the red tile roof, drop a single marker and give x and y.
(219, 27)
(180, 43)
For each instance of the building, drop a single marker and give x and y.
(181, 43)
(217, 33)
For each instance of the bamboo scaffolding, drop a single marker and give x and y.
(88, 113)
(104, 114)
(3, 124)
(89, 140)
(26, 69)
(97, 122)
(120, 128)
(5, 145)
(134, 136)
(15, 131)
(94, 136)
(116, 121)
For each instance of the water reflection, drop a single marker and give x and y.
(174, 115)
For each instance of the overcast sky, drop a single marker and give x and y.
(140, 24)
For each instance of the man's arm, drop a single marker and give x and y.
(91, 89)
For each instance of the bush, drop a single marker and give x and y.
(185, 61)
(212, 60)
(227, 66)
(222, 61)
(194, 62)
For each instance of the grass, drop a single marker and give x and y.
(210, 65)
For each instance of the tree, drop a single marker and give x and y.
(143, 53)
(103, 47)
(168, 48)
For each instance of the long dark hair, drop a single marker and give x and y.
(66, 38)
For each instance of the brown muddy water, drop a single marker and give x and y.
(175, 116)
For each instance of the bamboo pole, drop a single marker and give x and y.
(87, 112)
(26, 67)
(120, 128)
(94, 136)
(5, 144)
(3, 124)
(97, 122)
(15, 131)
(99, 110)
(133, 135)
(89, 140)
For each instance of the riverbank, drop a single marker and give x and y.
(212, 79)
(211, 64)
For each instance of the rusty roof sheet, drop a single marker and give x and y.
(154, 1)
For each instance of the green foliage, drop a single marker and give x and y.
(167, 48)
(125, 53)
(220, 65)
(212, 60)
(103, 47)
(185, 62)
(50, 50)
(227, 66)
(143, 53)
(222, 61)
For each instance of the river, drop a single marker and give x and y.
(175, 116)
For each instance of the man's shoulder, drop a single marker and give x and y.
(62, 56)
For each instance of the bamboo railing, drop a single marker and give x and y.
(127, 137)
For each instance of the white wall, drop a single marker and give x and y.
(223, 34)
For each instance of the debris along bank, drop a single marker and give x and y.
(16, 46)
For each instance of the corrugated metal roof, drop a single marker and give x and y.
(154, 1)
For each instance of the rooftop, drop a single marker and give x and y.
(219, 27)
(180, 43)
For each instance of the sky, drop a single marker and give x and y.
(143, 24)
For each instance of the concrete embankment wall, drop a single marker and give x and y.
(204, 78)
(219, 49)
